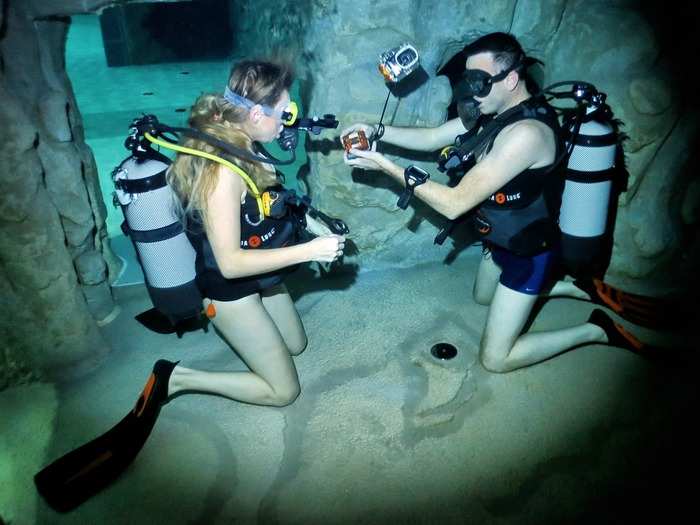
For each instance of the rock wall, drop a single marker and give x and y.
(54, 263)
(611, 44)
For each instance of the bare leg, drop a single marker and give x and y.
(486, 279)
(504, 349)
(568, 289)
(280, 306)
(248, 327)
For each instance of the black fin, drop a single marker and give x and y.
(616, 334)
(652, 312)
(75, 477)
(83, 472)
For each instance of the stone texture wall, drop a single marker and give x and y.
(609, 43)
(54, 263)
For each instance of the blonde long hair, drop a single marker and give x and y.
(193, 178)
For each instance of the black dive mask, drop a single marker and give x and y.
(479, 82)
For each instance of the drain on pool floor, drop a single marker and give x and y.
(443, 351)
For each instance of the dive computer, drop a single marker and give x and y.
(414, 177)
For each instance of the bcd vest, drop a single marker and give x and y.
(256, 234)
(522, 215)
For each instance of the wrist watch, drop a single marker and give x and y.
(414, 177)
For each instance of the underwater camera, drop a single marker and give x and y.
(356, 139)
(399, 62)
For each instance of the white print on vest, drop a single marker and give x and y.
(508, 198)
(263, 238)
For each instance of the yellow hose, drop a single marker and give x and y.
(215, 158)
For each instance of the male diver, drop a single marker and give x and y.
(521, 161)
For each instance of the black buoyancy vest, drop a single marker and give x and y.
(255, 233)
(522, 215)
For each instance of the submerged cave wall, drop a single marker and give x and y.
(609, 43)
(54, 262)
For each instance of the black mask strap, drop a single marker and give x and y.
(480, 82)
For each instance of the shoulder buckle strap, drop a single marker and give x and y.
(491, 127)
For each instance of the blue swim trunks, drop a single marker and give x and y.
(527, 275)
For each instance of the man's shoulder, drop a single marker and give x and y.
(527, 139)
(530, 126)
(529, 130)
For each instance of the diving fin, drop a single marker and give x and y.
(651, 312)
(620, 337)
(75, 477)
(616, 333)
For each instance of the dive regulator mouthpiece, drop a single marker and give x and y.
(288, 139)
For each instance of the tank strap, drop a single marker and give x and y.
(532, 108)
(594, 141)
(490, 128)
(143, 185)
(157, 235)
(591, 177)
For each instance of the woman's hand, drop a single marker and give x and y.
(316, 227)
(326, 248)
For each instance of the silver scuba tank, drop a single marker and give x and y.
(164, 252)
(585, 202)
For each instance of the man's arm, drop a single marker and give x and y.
(516, 149)
(417, 139)
(423, 139)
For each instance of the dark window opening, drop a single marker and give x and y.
(144, 33)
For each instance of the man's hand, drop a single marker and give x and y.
(370, 160)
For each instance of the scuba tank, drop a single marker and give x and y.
(588, 184)
(150, 221)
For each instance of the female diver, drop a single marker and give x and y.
(243, 290)
(253, 310)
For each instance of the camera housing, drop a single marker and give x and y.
(399, 62)
(356, 139)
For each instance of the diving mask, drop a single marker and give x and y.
(479, 82)
(287, 116)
